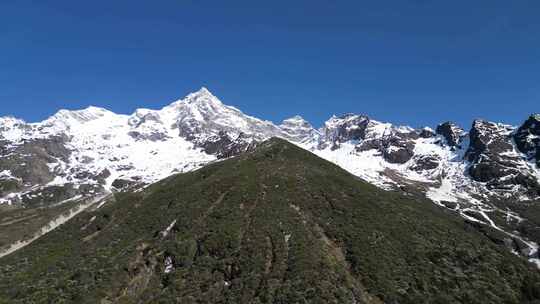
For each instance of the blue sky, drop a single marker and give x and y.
(416, 62)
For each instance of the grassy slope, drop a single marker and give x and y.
(276, 226)
(22, 223)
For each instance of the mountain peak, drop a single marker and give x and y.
(10, 120)
(345, 118)
(202, 95)
(204, 90)
(298, 129)
(81, 116)
(295, 120)
(279, 211)
(451, 132)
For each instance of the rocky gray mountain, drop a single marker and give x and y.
(527, 138)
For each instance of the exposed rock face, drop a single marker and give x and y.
(425, 162)
(156, 136)
(29, 160)
(426, 133)
(527, 138)
(395, 144)
(494, 160)
(201, 115)
(399, 147)
(451, 132)
(142, 116)
(490, 148)
(345, 128)
(223, 146)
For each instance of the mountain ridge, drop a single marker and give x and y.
(274, 225)
(483, 174)
(205, 122)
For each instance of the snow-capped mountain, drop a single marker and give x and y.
(89, 152)
(98, 149)
(94, 150)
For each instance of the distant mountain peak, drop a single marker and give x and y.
(201, 95)
(200, 124)
(84, 115)
(298, 129)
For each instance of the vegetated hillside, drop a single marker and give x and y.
(278, 225)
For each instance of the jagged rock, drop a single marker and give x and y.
(143, 116)
(398, 154)
(490, 151)
(345, 128)
(426, 133)
(30, 160)
(201, 115)
(122, 184)
(425, 162)
(224, 146)
(527, 138)
(154, 136)
(451, 132)
(369, 144)
(398, 147)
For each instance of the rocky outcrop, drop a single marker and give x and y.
(29, 160)
(493, 158)
(154, 136)
(349, 127)
(451, 132)
(425, 163)
(426, 133)
(223, 146)
(398, 148)
(527, 138)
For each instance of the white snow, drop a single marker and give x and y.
(6, 174)
(368, 164)
(169, 266)
(166, 232)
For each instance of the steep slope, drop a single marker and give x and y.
(489, 174)
(94, 150)
(276, 225)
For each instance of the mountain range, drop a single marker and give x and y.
(274, 225)
(487, 175)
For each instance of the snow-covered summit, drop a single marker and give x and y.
(97, 146)
(202, 114)
(81, 116)
(86, 152)
(298, 129)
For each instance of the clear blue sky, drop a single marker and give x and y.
(416, 62)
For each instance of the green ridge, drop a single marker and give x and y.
(278, 225)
